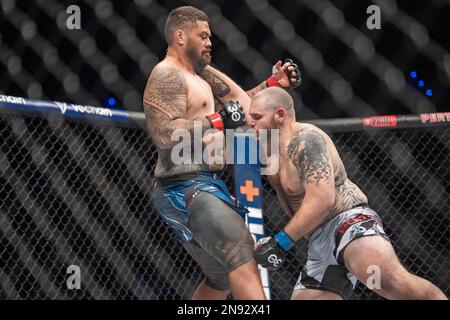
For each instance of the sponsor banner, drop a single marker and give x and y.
(248, 185)
(380, 121)
(64, 108)
(437, 117)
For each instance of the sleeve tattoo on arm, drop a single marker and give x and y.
(217, 104)
(308, 152)
(219, 87)
(165, 104)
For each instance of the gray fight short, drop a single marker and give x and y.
(325, 268)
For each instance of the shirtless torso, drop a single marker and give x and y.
(191, 98)
(289, 188)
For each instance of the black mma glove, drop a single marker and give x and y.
(270, 251)
(230, 116)
(284, 79)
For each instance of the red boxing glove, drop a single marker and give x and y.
(216, 121)
(272, 82)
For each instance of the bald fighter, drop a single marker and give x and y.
(346, 237)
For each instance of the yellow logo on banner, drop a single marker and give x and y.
(249, 190)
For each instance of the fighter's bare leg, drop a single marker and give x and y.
(205, 292)
(245, 282)
(396, 282)
(313, 294)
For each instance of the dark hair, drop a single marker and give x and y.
(180, 17)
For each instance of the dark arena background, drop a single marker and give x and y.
(76, 192)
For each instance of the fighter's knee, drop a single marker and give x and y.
(400, 284)
(242, 258)
(394, 279)
(218, 282)
(313, 294)
(219, 229)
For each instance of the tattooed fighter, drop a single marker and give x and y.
(346, 237)
(189, 197)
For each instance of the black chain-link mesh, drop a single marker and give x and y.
(78, 194)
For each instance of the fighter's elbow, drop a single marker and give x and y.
(241, 96)
(162, 139)
(163, 145)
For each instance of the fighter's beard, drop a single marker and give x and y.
(198, 62)
(200, 66)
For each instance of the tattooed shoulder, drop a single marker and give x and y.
(166, 91)
(308, 152)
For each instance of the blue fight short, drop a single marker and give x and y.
(169, 200)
